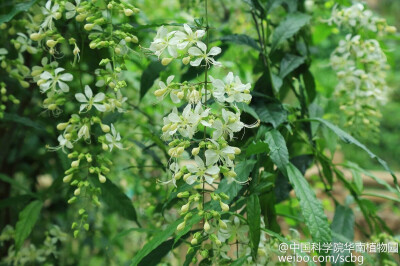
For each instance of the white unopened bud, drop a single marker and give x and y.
(62, 126)
(102, 178)
(237, 151)
(224, 206)
(194, 241)
(128, 12)
(36, 36)
(185, 207)
(88, 26)
(75, 164)
(67, 178)
(77, 192)
(195, 151)
(186, 60)
(105, 128)
(76, 50)
(51, 43)
(181, 226)
(160, 92)
(207, 226)
(166, 61)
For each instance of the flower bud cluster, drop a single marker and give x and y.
(361, 67)
(5, 98)
(213, 157)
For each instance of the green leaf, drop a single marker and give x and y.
(272, 113)
(289, 63)
(357, 181)
(309, 83)
(157, 240)
(247, 109)
(278, 151)
(150, 74)
(127, 231)
(253, 219)
(289, 27)
(256, 148)
(241, 39)
(310, 207)
(26, 221)
(18, 8)
(117, 200)
(347, 138)
(22, 120)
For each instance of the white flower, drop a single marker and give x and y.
(234, 228)
(165, 89)
(219, 154)
(84, 132)
(71, 9)
(57, 79)
(63, 142)
(189, 38)
(114, 139)
(174, 167)
(201, 53)
(89, 100)
(162, 41)
(186, 123)
(233, 90)
(50, 13)
(229, 124)
(200, 171)
(116, 103)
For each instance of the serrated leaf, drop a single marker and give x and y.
(241, 39)
(26, 221)
(289, 63)
(278, 151)
(116, 199)
(150, 74)
(347, 138)
(288, 27)
(311, 208)
(157, 240)
(272, 113)
(18, 8)
(253, 219)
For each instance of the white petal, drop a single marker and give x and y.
(88, 92)
(100, 107)
(46, 75)
(214, 51)
(199, 161)
(209, 179)
(66, 77)
(99, 97)
(196, 62)
(81, 98)
(187, 28)
(191, 179)
(63, 86)
(192, 168)
(202, 46)
(83, 106)
(211, 157)
(195, 51)
(213, 170)
(169, 79)
(58, 70)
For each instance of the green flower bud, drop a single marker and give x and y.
(102, 178)
(185, 207)
(36, 36)
(86, 226)
(186, 60)
(51, 43)
(134, 39)
(194, 241)
(104, 146)
(105, 128)
(75, 164)
(128, 12)
(207, 226)
(77, 192)
(183, 194)
(71, 200)
(222, 224)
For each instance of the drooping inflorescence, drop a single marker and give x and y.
(361, 67)
(199, 132)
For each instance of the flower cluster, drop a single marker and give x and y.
(84, 135)
(357, 16)
(183, 44)
(360, 66)
(199, 129)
